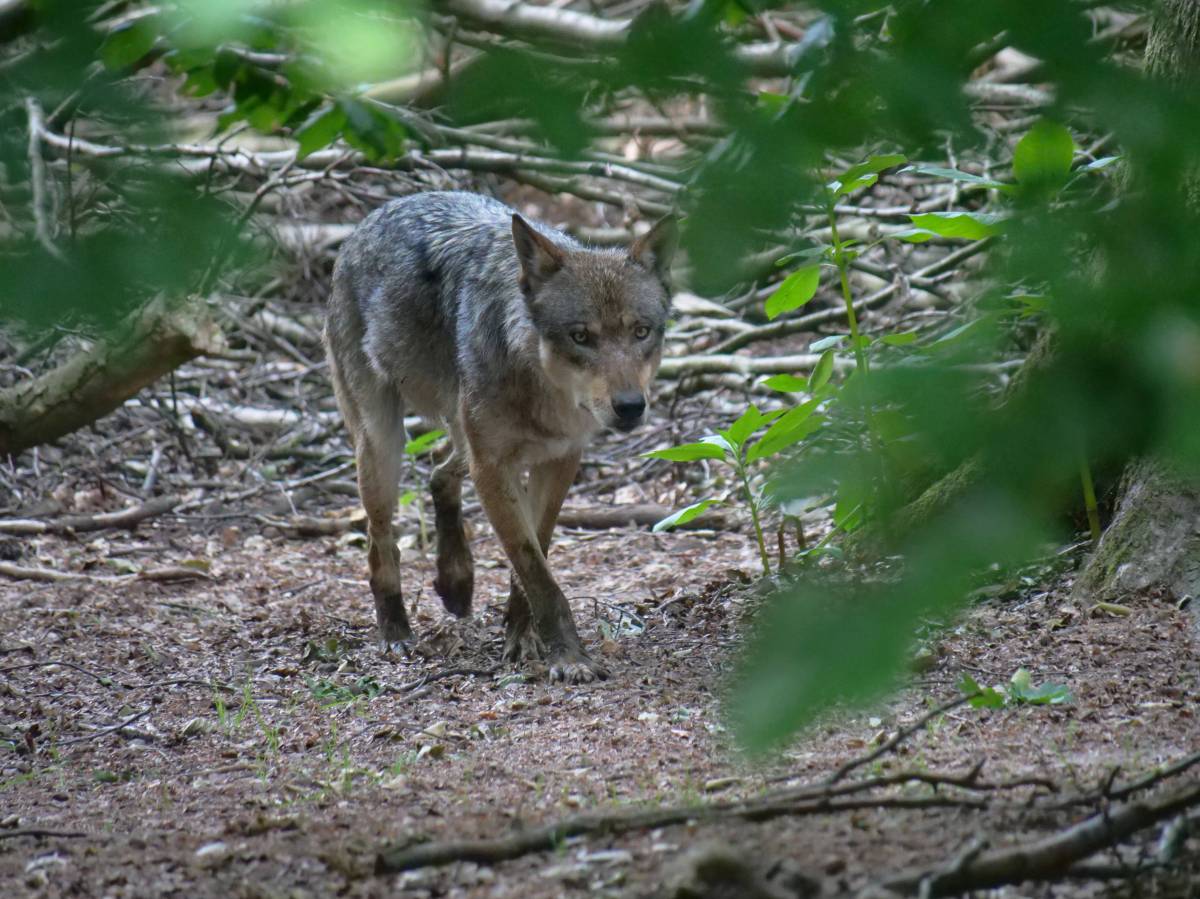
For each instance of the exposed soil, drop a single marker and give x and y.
(271, 751)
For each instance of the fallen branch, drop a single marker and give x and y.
(75, 524)
(899, 737)
(597, 518)
(41, 834)
(152, 342)
(549, 23)
(788, 326)
(1050, 858)
(678, 366)
(542, 839)
(640, 515)
(37, 179)
(106, 730)
(50, 575)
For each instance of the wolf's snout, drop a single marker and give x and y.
(629, 406)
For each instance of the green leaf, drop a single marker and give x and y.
(1022, 690)
(956, 334)
(1102, 163)
(1031, 304)
(953, 175)
(748, 422)
(857, 184)
(770, 101)
(1043, 156)
(683, 516)
(407, 497)
(788, 430)
(969, 225)
(797, 289)
(987, 698)
(126, 44)
(379, 136)
(903, 338)
(825, 343)
(786, 383)
(200, 82)
(912, 235)
(864, 173)
(687, 452)
(321, 129)
(822, 372)
(418, 445)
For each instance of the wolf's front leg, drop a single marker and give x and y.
(549, 613)
(548, 486)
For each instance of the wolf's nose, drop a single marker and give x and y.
(629, 405)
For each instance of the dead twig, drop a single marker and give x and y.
(106, 730)
(37, 179)
(42, 833)
(897, 738)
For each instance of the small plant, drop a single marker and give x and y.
(1019, 690)
(329, 694)
(418, 446)
(733, 445)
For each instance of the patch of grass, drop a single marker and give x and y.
(328, 693)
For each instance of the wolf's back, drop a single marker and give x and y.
(416, 278)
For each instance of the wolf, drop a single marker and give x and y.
(522, 343)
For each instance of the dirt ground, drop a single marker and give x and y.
(268, 750)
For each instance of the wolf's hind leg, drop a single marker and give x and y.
(455, 581)
(378, 448)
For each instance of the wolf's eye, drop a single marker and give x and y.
(641, 332)
(580, 336)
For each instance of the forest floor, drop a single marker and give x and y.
(240, 735)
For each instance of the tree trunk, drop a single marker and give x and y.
(1152, 546)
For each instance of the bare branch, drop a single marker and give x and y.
(572, 28)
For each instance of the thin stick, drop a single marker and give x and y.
(899, 737)
(37, 179)
(108, 730)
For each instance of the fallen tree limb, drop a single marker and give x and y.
(548, 23)
(125, 518)
(53, 576)
(641, 515)
(152, 342)
(674, 367)
(542, 839)
(585, 517)
(1049, 858)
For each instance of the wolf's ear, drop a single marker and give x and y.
(656, 247)
(539, 256)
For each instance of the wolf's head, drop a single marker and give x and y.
(600, 316)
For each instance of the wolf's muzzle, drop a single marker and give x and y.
(629, 407)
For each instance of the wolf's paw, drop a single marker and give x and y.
(455, 584)
(523, 645)
(395, 635)
(575, 667)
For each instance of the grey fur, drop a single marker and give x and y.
(513, 336)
